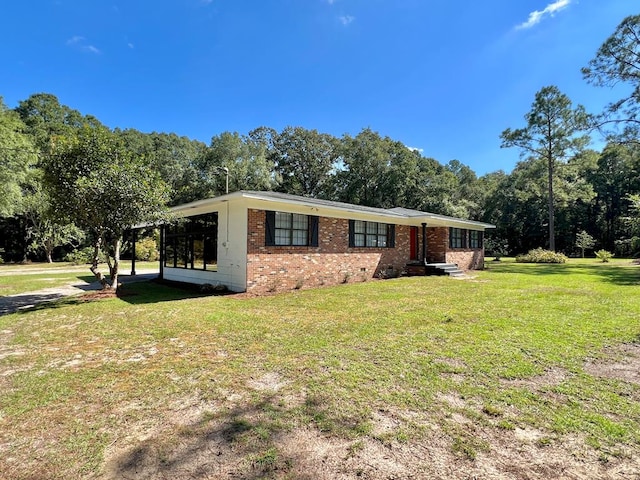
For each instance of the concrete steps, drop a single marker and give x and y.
(450, 269)
(419, 269)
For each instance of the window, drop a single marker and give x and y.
(457, 238)
(371, 234)
(291, 229)
(192, 243)
(475, 239)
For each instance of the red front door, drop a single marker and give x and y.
(413, 237)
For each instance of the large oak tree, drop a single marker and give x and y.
(104, 189)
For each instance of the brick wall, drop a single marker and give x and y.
(437, 243)
(438, 251)
(466, 259)
(275, 268)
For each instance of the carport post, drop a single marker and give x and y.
(424, 243)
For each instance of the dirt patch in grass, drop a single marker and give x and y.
(106, 293)
(623, 364)
(270, 381)
(550, 378)
(241, 443)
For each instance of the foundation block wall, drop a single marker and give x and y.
(278, 268)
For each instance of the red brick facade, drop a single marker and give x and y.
(437, 243)
(275, 268)
(438, 251)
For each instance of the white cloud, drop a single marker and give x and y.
(419, 150)
(75, 40)
(537, 16)
(346, 19)
(80, 43)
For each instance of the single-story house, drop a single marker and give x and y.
(268, 241)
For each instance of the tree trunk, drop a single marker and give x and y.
(48, 247)
(116, 263)
(94, 265)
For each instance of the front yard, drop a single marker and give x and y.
(525, 371)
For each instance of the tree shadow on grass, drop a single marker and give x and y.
(45, 298)
(612, 273)
(134, 293)
(257, 440)
(156, 291)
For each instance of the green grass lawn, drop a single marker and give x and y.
(518, 347)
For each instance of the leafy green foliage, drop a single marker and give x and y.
(584, 241)
(246, 160)
(553, 133)
(496, 247)
(540, 255)
(304, 160)
(17, 157)
(83, 256)
(103, 188)
(604, 255)
(617, 61)
(147, 249)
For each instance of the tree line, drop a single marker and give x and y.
(65, 178)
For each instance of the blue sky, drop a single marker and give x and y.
(446, 77)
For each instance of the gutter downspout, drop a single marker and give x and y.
(133, 256)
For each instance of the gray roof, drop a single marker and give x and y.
(320, 203)
(407, 212)
(398, 212)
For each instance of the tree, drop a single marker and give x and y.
(45, 231)
(175, 158)
(634, 223)
(367, 163)
(104, 189)
(245, 160)
(552, 134)
(304, 160)
(45, 118)
(517, 206)
(17, 157)
(617, 61)
(584, 241)
(616, 175)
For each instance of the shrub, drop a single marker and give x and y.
(82, 256)
(147, 250)
(604, 255)
(539, 255)
(496, 248)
